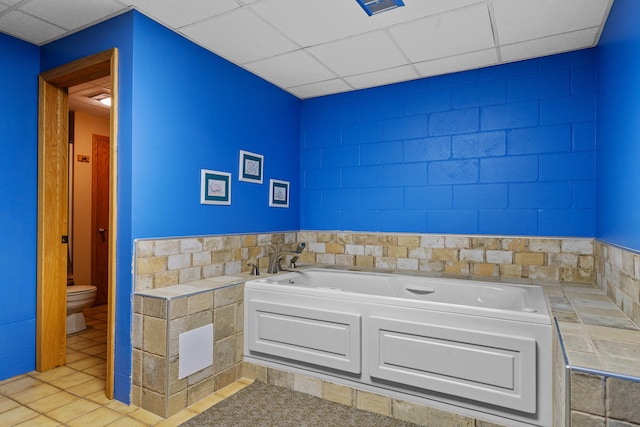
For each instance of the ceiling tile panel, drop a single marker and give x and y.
(311, 22)
(28, 28)
(71, 14)
(321, 88)
(461, 31)
(240, 36)
(291, 69)
(360, 54)
(549, 45)
(467, 61)
(177, 14)
(519, 20)
(383, 77)
(318, 47)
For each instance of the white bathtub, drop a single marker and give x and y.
(479, 348)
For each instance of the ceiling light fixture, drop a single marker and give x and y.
(103, 98)
(373, 7)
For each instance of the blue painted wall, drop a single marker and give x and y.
(619, 127)
(19, 67)
(182, 109)
(194, 110)
(502, 150)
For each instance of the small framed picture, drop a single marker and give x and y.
(251, 167)
(279, 194)
(215, 188)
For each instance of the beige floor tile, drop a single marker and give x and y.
(71, 380)
(6, 404)
(72, 410)
(128, 422)
(98, 397)
(12, 379)
(206, 403)
(52, 374)
(52, 402)
(231, 389)
(73, 356)
(177, 419)
(35, 393)
(100, 417)
(39, 421)
(13, 387)
(95, 349)
(98, 371)
(81, 345)
(146, 416)
(85, 363)
(88, 387)
(16, 415)
(123, 408)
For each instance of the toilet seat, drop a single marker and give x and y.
(80, 289)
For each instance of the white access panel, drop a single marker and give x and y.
(498, 369)
(327, 338)
(195, 350)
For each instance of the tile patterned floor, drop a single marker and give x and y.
(73, 395)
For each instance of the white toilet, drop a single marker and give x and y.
(79, 297)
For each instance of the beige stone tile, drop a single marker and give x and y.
(622, 400)
(154, 307)
(586, 420)
(85, 363)
(584, 360)
(88, 387)
(128, 422)
(200, 390)
(373, 402)
(177, 419)
(338, 393)
(154, 335)
(39, 421)
(98, 397)
(410, 412)
(224, 321)
(307, 384)
(145, 416)
(71, 380)
(120, 407)
(100, 417)
(13, 387)
(98, 371)
(280, 378)
(17, 415)
(448, 419)
(72, 410)
(231, 389)
(7, 404)
(588, 393)
(206, 403)
(613, 334)
(34, 393)
(52, 402)
(254, 372)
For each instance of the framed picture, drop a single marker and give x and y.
(279, 194)
(251, 167)
(215, 187)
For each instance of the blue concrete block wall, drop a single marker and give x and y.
(618, 127)
(502, 150)
(18, 203)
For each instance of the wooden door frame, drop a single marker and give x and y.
(52, 215)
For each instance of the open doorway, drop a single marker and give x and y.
(53, 208)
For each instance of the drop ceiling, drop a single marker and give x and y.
(320, 47)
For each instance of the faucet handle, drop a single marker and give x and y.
(254, 269)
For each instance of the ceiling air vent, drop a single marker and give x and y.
(376, 6)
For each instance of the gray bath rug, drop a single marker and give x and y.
(262, 405)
